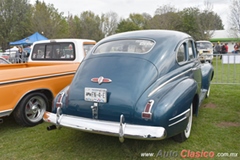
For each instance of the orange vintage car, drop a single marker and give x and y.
(27, 89)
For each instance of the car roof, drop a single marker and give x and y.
(65, 40)
(148, 34)
(166, 43)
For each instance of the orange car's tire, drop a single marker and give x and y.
(30, 110)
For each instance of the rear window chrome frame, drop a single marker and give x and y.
(122, 52)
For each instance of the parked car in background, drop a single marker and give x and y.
(4, 61)
(205, 50)
(5, 56)
(10, 53)
(140, 84)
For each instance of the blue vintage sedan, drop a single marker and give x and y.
(141, 84)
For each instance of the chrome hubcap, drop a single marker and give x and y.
(35, 109)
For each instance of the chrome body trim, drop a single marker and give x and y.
(185, 114)
(94, 111)
(101, 80)
(5, 112)
(168, 81)
(59, 113)
(121, 128)
(118, 129)
(36, 78)
(177, 122)
(179, 115)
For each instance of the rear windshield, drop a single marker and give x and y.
(204, 45)
(54, 51)
(125, 46)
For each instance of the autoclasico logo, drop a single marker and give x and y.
(189, 154)
(186, 154)
(196, 154)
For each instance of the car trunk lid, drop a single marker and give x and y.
(129, 76)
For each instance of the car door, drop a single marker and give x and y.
(188, 61)
(196, 65)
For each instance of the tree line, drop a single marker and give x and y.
(20, 19)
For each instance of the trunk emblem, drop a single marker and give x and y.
(101, 80)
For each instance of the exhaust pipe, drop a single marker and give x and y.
(52, 127)
(1, 121)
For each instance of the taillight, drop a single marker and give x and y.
(146, 114)
(59, 99)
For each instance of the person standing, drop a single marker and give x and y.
(224, 49)
(19, 55)
(235, 49)
(226, 46)
(218, 48)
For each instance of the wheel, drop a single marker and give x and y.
(181, 137)
(208, 92)
(30, 110)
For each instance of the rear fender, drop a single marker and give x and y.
(171, 111)
(63, 97)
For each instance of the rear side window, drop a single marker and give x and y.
(137, 46)
(186, 52)
(191, 54)
(181, 56)
(54, 51)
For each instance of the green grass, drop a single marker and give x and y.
(217, 129)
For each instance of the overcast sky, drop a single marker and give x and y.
(124, 7)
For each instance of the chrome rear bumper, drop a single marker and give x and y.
(121, 130)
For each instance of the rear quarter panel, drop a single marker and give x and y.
(171, 100)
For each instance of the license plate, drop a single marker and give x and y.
(95, 95)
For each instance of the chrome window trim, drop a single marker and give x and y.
(135, 53)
